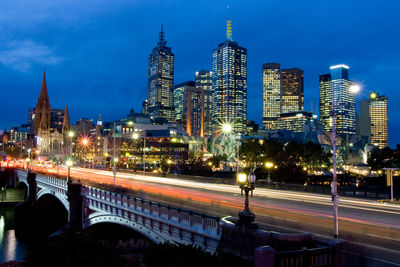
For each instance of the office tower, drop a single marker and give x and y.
(292, 90)
(204, 81)
(345, 106)
(374, 119)
(161, 80)
(189, 107)
(271, 94)
(294, 121)
(229, 77)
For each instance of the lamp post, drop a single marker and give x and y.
(228, 129)
(353, 89)
(136, 137)
(69, 163)
(169, 162)
(71, 135)
(246, 183)
(269, 165)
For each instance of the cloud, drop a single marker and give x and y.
(21, 55)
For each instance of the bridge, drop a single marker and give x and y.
(87, 206)
(362, 220)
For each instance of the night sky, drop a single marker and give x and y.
(95, 52)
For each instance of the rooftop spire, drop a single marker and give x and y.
(162, 41)
(66, 125)
(99, 120)
(43, 90)
(229, 25)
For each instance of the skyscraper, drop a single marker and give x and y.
(271, 94)
(292, 90)
(229, 76)
(345, 106)
(204, 81)
(189, 107)
(374, 119)
(161, 80)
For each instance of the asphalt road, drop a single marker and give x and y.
(371, 230)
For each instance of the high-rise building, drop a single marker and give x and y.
(161, 81)
(189, 107)
(204, 81)
(345, 105)
(271, 94)
(294, 121)
(374, 119)
(292, 90)
(229, 77)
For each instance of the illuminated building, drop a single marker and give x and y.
(294, 121)
(292, 90)
(49, 132)
(345, 106)
(374, 119)
(271, 94)
(204, 81)
(161, 80)
(229, 77)
(189, 107)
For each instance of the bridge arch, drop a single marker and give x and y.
(59, 196)
(103, 217)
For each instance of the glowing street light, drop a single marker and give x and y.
(354, 88)
(69, 163)
(269, 165)
(226, 128)
(246, 183)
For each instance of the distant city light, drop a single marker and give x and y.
(339, 66)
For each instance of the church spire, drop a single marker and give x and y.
(43, 90)
(42, 110)
(66, 124)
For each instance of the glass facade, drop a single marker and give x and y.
(292, 91)
(374, 120)
(189, 107)
(204, 81)
(345, 105)
(229, 76)
(161, 80)
(271, 95)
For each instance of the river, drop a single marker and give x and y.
(11, 249)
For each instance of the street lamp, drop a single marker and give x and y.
(354, 88)
(228, 129)
(71, 135)
(69, 164)
(136, 137)
(84, 143)
(269, 165)
(246, 183)
(169, 162)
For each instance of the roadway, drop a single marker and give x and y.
(371, 229)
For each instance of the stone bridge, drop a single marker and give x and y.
(88, 206)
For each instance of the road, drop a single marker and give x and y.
(369, 228)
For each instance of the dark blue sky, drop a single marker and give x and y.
(95, 51)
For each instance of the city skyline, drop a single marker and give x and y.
(22, 76)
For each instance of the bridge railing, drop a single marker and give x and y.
(323, 256)
(203, 222)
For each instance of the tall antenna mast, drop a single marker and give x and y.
(229, 25)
